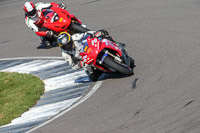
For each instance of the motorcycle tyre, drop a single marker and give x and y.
(132, 62)
(121, 68)
(77, 28)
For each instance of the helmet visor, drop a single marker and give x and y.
(66, 42)
(69, 46)
(32, 13)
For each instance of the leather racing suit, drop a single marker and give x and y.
(74, 59)
(35, 24)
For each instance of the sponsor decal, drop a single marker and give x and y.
(95, 40)
(84, 57)
(90, 61)
(85, 48)
(98, 34)
(61, 19)
(104, 56)
(88, 50)
(92, 42)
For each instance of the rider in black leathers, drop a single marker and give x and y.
(72, 46)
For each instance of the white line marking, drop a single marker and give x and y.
(44, 111)
(94, 89)
(32, 66)
(30, 58)
(35, 110)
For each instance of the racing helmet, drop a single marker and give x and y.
(29, 9)
(65, 41)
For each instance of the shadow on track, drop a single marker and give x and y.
(42, 46)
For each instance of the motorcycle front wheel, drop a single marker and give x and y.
(121, 68)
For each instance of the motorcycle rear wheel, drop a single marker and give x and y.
(121, 68)
(77, 28)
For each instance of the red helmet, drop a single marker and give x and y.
(29, 9)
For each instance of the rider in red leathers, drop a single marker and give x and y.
(33, 19)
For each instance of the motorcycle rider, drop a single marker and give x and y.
(33, 19)
(71, 48)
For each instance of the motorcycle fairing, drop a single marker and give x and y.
(93, 47)
(56, 19)
(105, 43)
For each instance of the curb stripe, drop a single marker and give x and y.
(94, 89)
(63, 88)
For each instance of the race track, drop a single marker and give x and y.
(162, 36)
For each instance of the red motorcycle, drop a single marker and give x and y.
(60, 20)
(106, 56)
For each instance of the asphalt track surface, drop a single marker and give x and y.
(162, 36)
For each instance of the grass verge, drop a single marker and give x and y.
(18, 92)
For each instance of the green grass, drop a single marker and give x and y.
(18, 92)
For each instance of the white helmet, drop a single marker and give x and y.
(29, 9)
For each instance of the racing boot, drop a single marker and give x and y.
(93, 73)
(46, 42)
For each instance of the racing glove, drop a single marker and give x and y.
(63, 6)
(101, 33)
(49, 34)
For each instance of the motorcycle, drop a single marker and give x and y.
(106, 56)
(60, 20)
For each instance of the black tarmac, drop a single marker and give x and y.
(162, 36)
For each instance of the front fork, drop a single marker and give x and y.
(106, 53)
